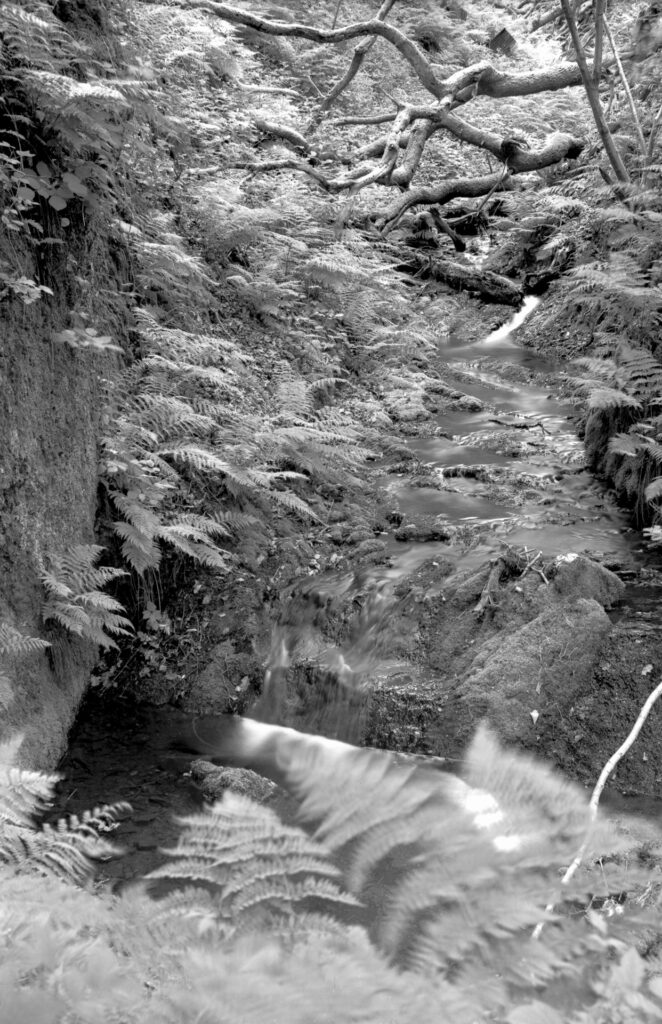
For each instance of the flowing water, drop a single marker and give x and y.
(510, 469)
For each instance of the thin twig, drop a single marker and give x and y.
(336, 13)
(597, 793)
(600, 26)
(628, 93)
(653, 134)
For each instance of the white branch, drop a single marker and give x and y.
(597, 793)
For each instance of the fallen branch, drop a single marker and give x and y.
(597, 793)
(492, 287)
(453, 188)
(356, 63)
(294, 138)
(480, 79)
(405, 46)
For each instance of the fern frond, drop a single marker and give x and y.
(65, 850)
(179, 535)
(167, 414)
(625, 444)
(24, 795)
(13, 642)
(466, 862)
(654, 489)
(200, 459)
(294, 503)
(74, 600)
(210, 527)
(252, 862)
(612, 398)
(139, 549)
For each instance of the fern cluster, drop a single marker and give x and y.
(68, 849)
(63, 117)
(418, 889)
(75, 600)
(623, 424)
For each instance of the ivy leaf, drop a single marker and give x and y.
(25, 194)
(57, 202)
(75, 184)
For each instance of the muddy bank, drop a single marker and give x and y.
(537, 654)
(557, 654)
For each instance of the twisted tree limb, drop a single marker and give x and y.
(405, 46)
(480, 79)
(356, 63)
(452, 188)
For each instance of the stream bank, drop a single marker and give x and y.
(495, 579)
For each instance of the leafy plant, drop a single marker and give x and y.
(67, 850)
(450, 875)
(261, 873)
(74, 598)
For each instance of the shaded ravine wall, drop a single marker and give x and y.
(51, 397)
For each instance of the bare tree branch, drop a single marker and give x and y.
(416, 141)
(490, 82)
(557, 147)
(291, 164)
(597, 792)
(405, 46)
(453, 188)
(282, 132)
(598, 17)
(358, 58)
(480, 79)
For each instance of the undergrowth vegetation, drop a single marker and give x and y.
(416, 895)
(267, 347)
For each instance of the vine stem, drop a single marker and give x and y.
(597, 793)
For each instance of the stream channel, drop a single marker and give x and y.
(501, 462)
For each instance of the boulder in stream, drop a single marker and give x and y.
(577, 576)
(214, 781)
(518, 677)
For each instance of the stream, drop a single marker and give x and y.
(499, 463)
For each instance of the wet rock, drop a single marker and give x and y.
(421, 533)
(406, 407)
(350, 532)
(215, 689)
(577, 576)
(536, 668)
(214, 781)
(372, 551)
(468, 403)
